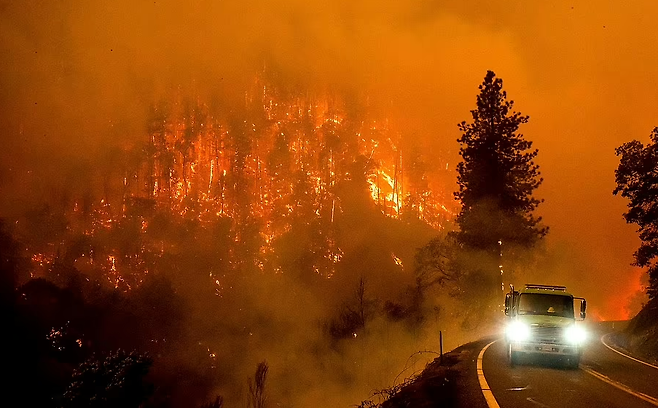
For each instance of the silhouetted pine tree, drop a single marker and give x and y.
(497, 176)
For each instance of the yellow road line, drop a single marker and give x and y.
(606, 379)
(486, 391)
(625, 355)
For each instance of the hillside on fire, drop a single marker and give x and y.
(280, 233)
(258, 204)
(293, 236)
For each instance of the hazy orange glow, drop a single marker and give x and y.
(78, 82)
(624, 303)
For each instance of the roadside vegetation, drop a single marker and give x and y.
(640, 337)
(637, 178)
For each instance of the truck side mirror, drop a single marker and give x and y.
(508, 301)
(583, 309)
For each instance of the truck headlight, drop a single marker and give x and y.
(518, 331)
(575, 334)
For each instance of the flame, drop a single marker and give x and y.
(397, 260)
(209, 167)
(41, 259)
(114, 277)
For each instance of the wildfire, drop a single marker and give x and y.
(41, 259)
(385, 191)
(397, 260)
(202, 156)
(114, 277)
(279, 162)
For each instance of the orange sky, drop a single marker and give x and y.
(75, 75)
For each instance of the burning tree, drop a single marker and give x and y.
(274, 165)
(214, 202)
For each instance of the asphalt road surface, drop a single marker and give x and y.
(605, 378)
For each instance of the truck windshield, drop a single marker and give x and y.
(549, 305)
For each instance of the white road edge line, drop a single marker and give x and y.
(625, 355)
(486, 391)
(644, 397)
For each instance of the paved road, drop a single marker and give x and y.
(604, 379)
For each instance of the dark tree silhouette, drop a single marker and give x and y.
(637, 180)
(353, 315)
(497, 176)
(9, 262)
(22, 357)
(217, 403)
(418, 190)
(257, 396)
(435, 263)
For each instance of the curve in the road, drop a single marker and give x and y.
(623, 354)
(493, 403)
(484, 386)
(621, 386)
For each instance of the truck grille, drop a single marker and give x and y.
(549, 335)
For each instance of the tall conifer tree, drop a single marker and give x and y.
(497, 176)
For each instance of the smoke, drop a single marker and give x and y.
(315, 356)
(77, 81)
(79, 76)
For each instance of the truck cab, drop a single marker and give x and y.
(541, 321)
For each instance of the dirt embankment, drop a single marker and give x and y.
(448, 382)
(640, 337)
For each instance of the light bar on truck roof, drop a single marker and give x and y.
(546, 287)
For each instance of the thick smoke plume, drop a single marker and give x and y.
(78, 86)
(77, 78)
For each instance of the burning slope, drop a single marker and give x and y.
(273, 162)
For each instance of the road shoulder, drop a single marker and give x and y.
(452, 382)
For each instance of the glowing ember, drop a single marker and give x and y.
(397, 260)
(41, 259)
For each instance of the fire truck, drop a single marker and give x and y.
(541, 321)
